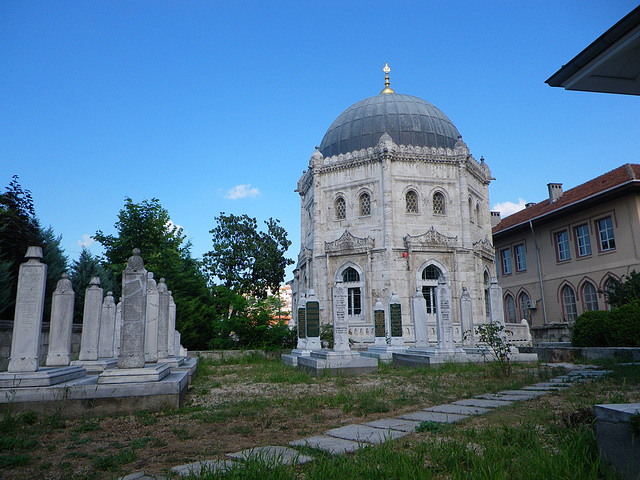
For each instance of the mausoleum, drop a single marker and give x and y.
(393, 201)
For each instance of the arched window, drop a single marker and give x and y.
(430, 277)
(569, 304)
(510, 309)
(365, 205)
(478, 214)
(354, 292)
(412, 201)
(524, 307)
(341, 208)
(438, 203)
(471, 210)
(589, 297)
(608, 287)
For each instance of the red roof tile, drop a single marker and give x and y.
(620, 175)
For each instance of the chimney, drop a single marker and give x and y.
(495, 219)
(529, 205)
(555, 191)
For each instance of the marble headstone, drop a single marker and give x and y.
(151, 329)
(420, 327)
(313, 322)
(395, 320)
(163, 320)
(495, 300)
(466, 314)
(118, 331)
(340, 320)
(134, 309)
(172, 327)
(107, 327)
(379, 324)
(91, 321)
(302, 323)
(27, 321)
(61, 323)
(446, 342)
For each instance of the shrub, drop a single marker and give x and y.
(624, 326)
(590, 329)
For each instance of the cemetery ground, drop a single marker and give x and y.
(256, 401)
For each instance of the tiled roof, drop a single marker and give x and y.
(609, 180)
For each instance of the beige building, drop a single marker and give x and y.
(555, 257)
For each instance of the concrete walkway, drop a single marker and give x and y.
(353, 437)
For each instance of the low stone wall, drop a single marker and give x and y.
(6, 333)
(220, 355)
(551, 332)
(564, 352)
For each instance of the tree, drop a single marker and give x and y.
(623, 291)
(53, 256)
(166, 252)
(81, 272)
(248, 262)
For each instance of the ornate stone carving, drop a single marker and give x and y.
(430, 238)
(347, 243)
(484, 248)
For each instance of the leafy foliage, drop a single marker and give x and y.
(623, 291)
(81, 272)
(495, 336)
(623, 326)
(247, 261)
(590, 329)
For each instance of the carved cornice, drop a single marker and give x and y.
(484, 248)
(430, 238)
(347, 243)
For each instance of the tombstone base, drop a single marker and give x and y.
(383, 353)
(329, 362)
(44, 377)
(148, 373)
(95, 367)
(424, 357)
(479, 353)
(174, 362)
(189, 365)
(292, 358)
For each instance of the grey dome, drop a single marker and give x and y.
(408, 120)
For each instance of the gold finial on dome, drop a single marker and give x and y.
(387, 88)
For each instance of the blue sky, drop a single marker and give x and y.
(217, 106)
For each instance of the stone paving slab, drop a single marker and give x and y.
(423, 416)
(527, 393)
(141, 476)
(364, 433)
(272, 455)
(479, 402)
(457, 409)
(547, 386)
(332, 445)
(394, 424)
(203, 466)
(508, 398)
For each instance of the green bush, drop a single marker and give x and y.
(590, 329)
(624, 326)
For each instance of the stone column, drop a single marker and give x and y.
(27, 321)
(172, 327)
(340, 321)
(163, 320)
(107, 327)
(495, 302)
(91, 321)
(118, 331)
(176, 343)
(61, 323)
(151, 329)
(420, 327)
(380, 325)
(313, 322)
(395, 320)
(446, 343)
(466, 317)
(302, 323)
(134, 309)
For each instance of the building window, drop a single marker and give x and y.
(471, 210)
(341, 208)
(354, 293)
(521, 258)
(525, 312)
(365, 205)
(510, 309)
(562, 246)
(569, 304)
(605, 235)
(609, 285)
(487, 306)
(412, 201)
(589, 297)
(438, 203)
(430, 277)
(478, 214)
(505, 256)
(583, 242)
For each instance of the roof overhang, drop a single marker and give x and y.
(611, 64)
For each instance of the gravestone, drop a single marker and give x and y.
(340, 320)
(134, 308)
(395, 321)
(466, 317)
(446, 342)
(107, 327)
(61, 323)
(495, 300)
(151, 328)
(420, 327)
(118, 330)
(302, 323)
(313, 322)
(27, 322)
(163, 320)
(91, 321)
(172, 327)
(379, 324)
